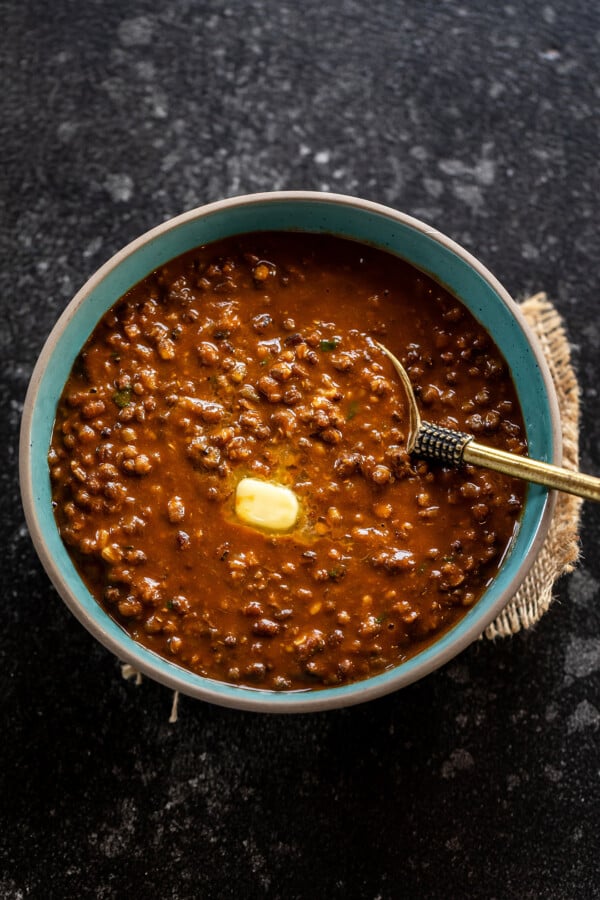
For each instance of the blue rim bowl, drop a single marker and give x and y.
(361, 220)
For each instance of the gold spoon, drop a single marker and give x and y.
(456, 447)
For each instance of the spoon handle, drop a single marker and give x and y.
(533, 470)
(453, 447)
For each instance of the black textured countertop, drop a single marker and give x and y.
(483, 779)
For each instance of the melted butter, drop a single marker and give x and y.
(264, 504)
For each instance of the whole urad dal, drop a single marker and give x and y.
(229, 462)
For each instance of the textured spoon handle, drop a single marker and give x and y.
(454, 447)
(446, 444)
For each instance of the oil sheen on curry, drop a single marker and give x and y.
(229, 462)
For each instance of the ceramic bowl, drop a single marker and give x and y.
(425, 248)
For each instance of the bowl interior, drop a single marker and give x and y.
(359, 220)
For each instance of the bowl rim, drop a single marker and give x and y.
(257, 699)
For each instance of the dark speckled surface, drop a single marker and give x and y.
(481, 781)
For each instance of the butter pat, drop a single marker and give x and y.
(266, 505)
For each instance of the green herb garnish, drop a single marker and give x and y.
(352, 410)
(122, 397)
(327, 345)
(337, 573)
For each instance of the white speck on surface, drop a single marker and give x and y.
(469, 178)
(453, 167)
(459, 673)
(93, 247)
(117, 839)
(453, 843)
(257, 862)
(136, 32)
(159, 104)
(512, 782)
(529, 251)
(549, 15)
(10, 891)
(460, 760)
(470, 194)
(66, 131)
(584, 716)
(171, 160)
(434, 187)
(582, 657)
(395, 184)
(322, 157)
(427, 213)
(550, 55)
(146, 69)
(119, 186)
(419, 152)
(485, 171)
(21, 531)
(552, 774)
(66, 285)
(582, 587)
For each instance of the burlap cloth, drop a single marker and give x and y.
(561, 548)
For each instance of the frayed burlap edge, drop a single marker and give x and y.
(128, 672)
(561, 548)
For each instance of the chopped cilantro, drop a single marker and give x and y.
(122, 397)
(337, 573)
(352, 410)
(327, 345)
